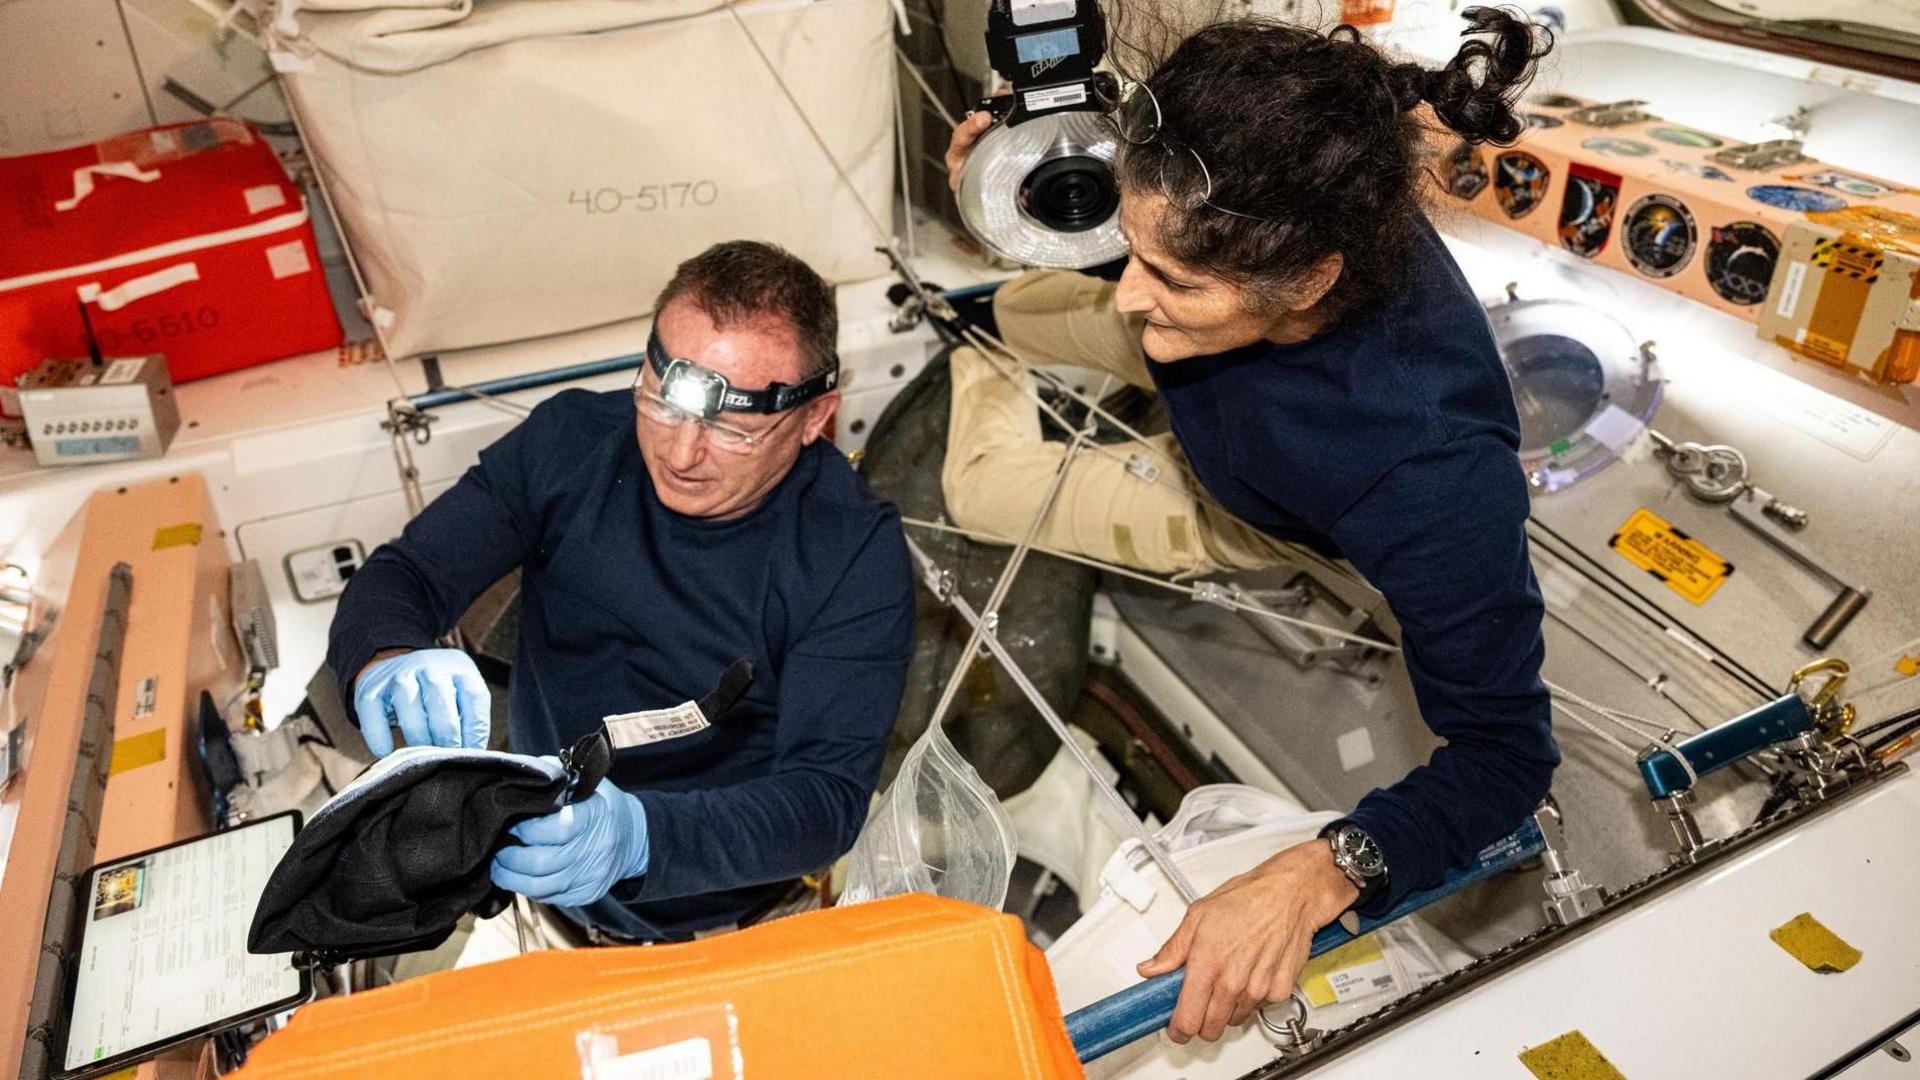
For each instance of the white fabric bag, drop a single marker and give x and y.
(1219, 831)
(504, 169)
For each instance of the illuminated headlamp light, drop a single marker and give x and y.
(693, 389)
(705, 393)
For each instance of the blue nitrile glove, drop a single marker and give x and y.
(436, 696)
(575, 854)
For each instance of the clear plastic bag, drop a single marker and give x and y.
(936, 829)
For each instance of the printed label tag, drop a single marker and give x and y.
(288, 259)
(1030, 12)
(1684, 564)
(701, 1043)
(264, 197)
(1839, 424)
(1790, 292)
(656, 725)
(1055, 97)
(123, 371)
(146, 697)
(1361, 980)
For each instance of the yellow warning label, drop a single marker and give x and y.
(134, 751)
(1687, 566)
(1569, 1057)
(176, 535)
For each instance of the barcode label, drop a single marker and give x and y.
(1056, 97)
(657, 725)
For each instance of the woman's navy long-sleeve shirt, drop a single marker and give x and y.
(1391, 439)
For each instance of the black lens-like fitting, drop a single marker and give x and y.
(1070, 194)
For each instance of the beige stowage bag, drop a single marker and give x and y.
(512, 168)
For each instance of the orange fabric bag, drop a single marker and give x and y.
(913, 987)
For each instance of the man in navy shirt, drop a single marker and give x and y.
(665, 536)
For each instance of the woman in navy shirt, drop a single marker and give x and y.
(1333, 385)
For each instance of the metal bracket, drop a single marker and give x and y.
(405, 420)
(1142, 468)
(1292, 1037)
(1679, 810)
(1612, 114)
(1761, 156)
(1300, 644)
(1569, 897)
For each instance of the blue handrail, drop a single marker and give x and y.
(433, 399)
(1140, 1010)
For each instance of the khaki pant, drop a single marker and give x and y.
(999, 467)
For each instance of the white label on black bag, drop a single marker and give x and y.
(1055, 97)
(288, 259)
(656, 725)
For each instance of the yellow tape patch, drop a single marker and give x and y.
(146, 748)
(1684, 564)
(1123, 543)
(1177, 534)
(176, 535)
(1569, 1057)
(1811, 943)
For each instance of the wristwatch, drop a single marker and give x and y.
(1358, 857)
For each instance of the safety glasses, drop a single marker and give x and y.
(1185, 180)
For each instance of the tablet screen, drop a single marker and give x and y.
(163, 945)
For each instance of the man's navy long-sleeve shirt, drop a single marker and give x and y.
(1391, 439)
(626, 606)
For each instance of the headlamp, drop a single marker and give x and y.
(705, 393)
(1038, 188)
(693, 389)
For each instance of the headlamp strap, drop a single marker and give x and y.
(775, 398)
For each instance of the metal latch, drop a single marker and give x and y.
(1612, 114)
(1761, 156)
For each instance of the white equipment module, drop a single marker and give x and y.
(79, 412)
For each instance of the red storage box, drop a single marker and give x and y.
(187, 240)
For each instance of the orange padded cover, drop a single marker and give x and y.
(913, 987)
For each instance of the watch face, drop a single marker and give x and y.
(1359, 851)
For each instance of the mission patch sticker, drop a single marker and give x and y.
(1586, 210)
(1659, 235)
(1519, 182)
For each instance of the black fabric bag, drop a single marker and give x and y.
(391, 863)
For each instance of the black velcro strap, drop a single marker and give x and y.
(733, 683)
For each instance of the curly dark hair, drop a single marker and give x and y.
(743, 280)
(1319, 135)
